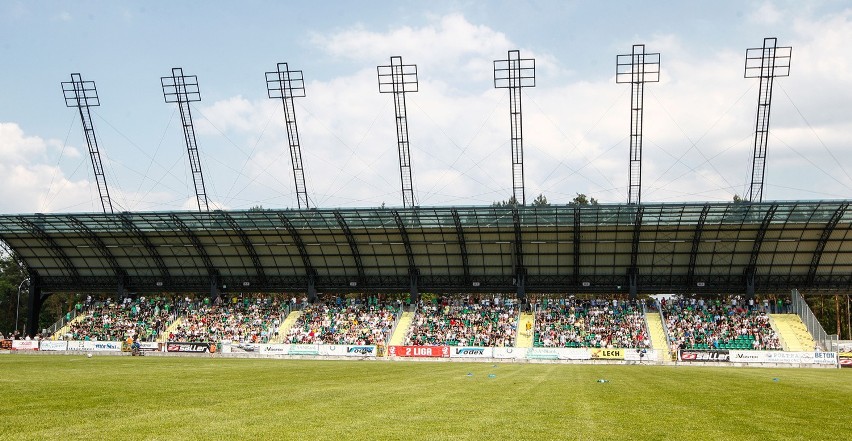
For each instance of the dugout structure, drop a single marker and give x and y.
(680, 248)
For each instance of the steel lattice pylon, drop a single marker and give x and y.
(637, 68)
(398, 78)
(286, 84)
(515, 73)
(765, 63)
(82, 95)
(183, 89)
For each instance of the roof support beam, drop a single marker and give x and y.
(130, 227)
(310, 272)
(823, 240)
(520, 270)
(47, 240)
(96, 242)
(462, 246)
(244, 239)
(576, 244)
(696, 242)
(352, 245)
(36, 301)
(751, 269)
(633, 271)
(413, 271)
(212, 272)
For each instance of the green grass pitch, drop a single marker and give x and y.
(61, 397)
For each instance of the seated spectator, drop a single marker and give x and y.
(350, 322)
(576, 323)
(464, 322)
(243, 320)
(718, 324)
(141, 318)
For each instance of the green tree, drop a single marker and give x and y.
(512, 202)
(582, 199)
(541, 201)
(11, 276)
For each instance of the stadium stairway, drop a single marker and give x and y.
(285, 326)
(793, 332)
(525, 338)
(67, 328)
(658, 334)
(164, 336)
(398, 337)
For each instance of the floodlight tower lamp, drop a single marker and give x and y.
(399, 79)
(766, 63)
(515, 73)
(82, 95)
(286, 84)
(183, 89)
(636, 68)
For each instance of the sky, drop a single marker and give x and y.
(699, 119)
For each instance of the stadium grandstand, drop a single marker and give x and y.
(571, 277)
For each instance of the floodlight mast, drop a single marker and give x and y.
(636, 68)
(398, 78)
(287, 84)
(765, 63)
(183, 89)
(515, 73)
(82, 95)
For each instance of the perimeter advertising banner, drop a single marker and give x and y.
(95, 346)
(6, 345)
(698, 355)
(332, 350)
(149, 346)
(361, 351)
(25, 345)
(53, 345)
(559, 354)
(347, 350)
(607, 354)
(824, 358)
(419, 351)
(471, 352)
(845, 359)
(303, 350)
(180, 346)
(510, 353)
(281, 349)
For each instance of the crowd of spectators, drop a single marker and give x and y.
(722, 323)
(245, 320)
(589, 323)
(345, 322)
(141, 319)
(464, 322)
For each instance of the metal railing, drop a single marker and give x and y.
(63, 320)
(800, 307)
(669, 342)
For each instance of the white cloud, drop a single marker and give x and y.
(766, 14)
(698, 128)
(699, 123)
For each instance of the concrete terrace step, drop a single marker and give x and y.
(67, 328)
(398, 337)
(658, 334)
(165, 334)
(285, 326)
(525, 334)
(793, 332)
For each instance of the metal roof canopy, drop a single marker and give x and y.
(712, 247)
